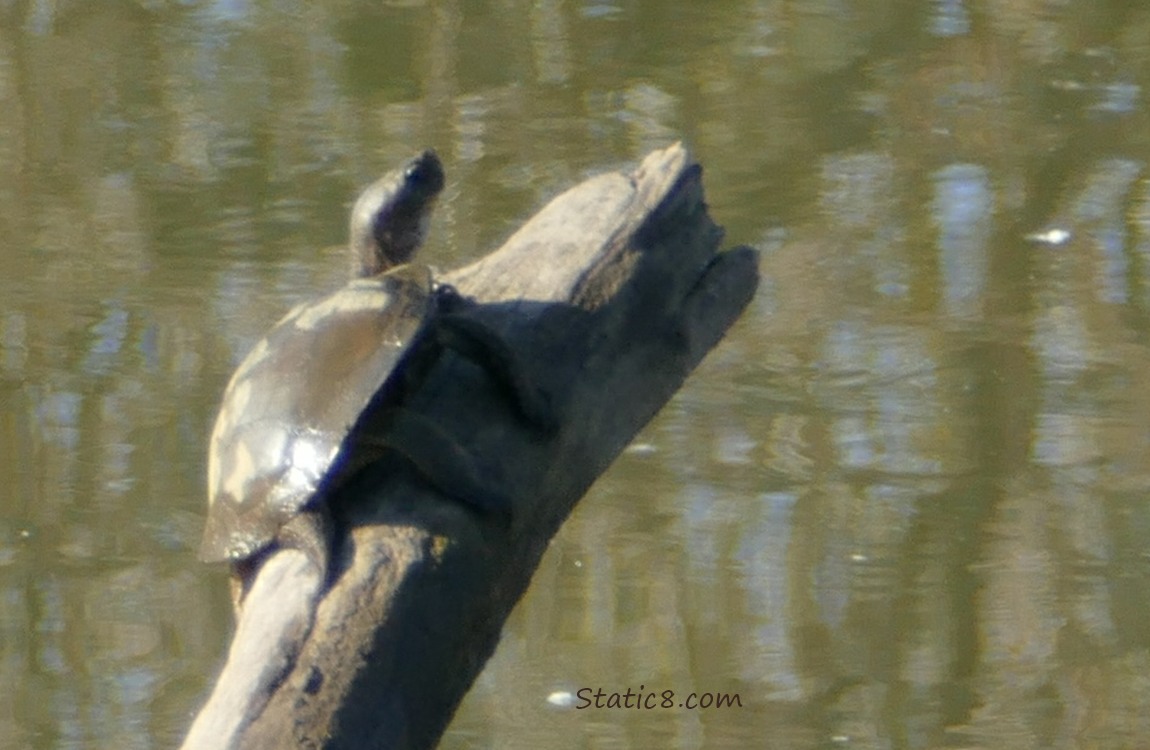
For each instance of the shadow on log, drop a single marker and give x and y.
(610, 296)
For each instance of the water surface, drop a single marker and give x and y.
(903, 505)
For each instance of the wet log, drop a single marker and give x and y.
(609, 297)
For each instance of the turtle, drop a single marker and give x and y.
(285, 436)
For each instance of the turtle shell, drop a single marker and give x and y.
(293, 400)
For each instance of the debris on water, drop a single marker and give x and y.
(1055, 236)
(561, 699)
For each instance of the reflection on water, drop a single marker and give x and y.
(963, 208)
(903, 504)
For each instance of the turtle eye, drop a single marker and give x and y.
(425, 174)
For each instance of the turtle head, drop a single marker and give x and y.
(390, 218)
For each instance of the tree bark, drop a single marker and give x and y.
(609, 297)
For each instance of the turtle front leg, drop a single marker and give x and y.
(479, 343)
(454, 328)
(437, 458)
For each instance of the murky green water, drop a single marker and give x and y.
(904, 504)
